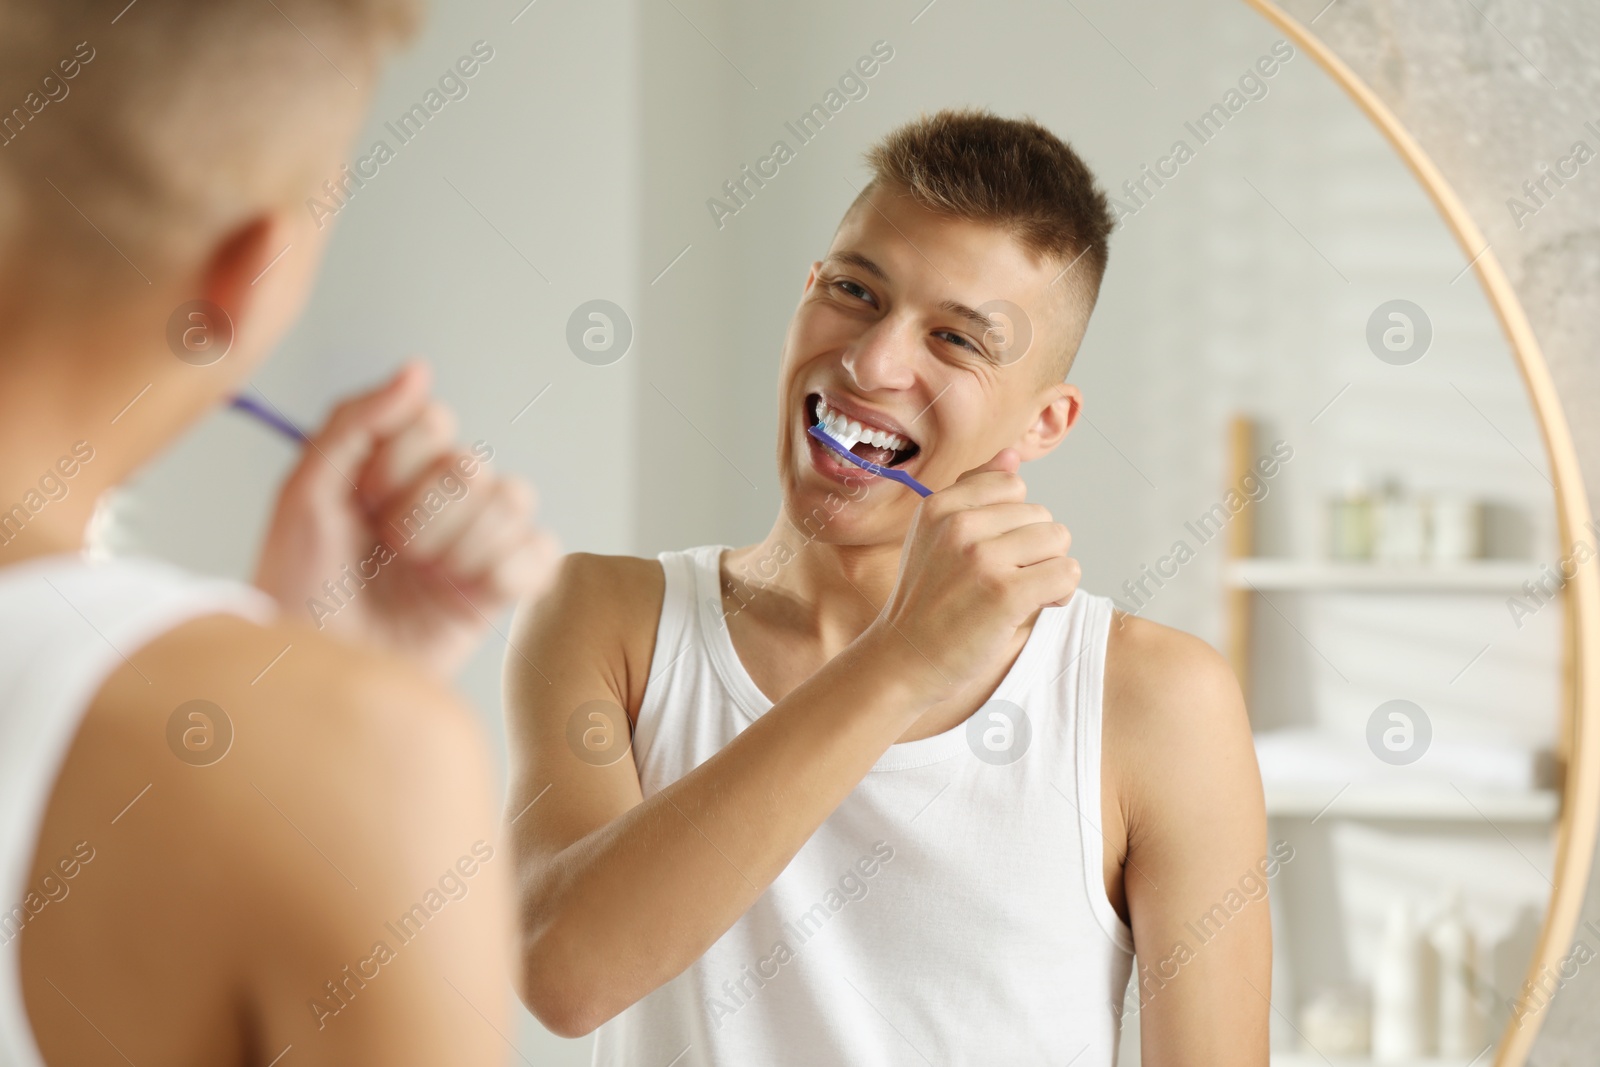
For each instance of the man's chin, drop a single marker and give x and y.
(845, 515)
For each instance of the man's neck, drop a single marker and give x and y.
(801, 601)
(829, 593)
(71, 427)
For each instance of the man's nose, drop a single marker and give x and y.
(882, 357)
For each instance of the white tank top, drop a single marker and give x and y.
(952, 910)
(65, 624)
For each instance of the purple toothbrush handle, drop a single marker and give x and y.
(269, 417)
(867, 465)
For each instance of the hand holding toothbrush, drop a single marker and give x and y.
(977, 563)
(389, 532)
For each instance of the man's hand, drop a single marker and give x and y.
(389, 533)
(978, 561)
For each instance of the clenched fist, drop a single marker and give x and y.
(978, 561)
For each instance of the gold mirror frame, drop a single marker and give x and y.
(1579, 819)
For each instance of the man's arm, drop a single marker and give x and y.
(234, 908)
(617, 894)
(1182, 783)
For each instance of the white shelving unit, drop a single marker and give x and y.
(1406, 807)
(1440, 802)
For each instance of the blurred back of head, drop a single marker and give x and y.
(150, 131)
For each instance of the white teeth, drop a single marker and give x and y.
(848, 431)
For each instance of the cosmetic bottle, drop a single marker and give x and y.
(1399, 526)
(1397, 1021)
(1460, 1023)
(1350, 520)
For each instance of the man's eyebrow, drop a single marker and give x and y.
(856, 259)
(981, 322)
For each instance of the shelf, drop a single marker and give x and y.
(1438, 803)
(1479, 576)
(1313, 1059)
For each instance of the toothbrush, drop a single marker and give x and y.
(270, 418)
(867, 465)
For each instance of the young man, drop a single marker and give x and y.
(225, 836)
(897, 791)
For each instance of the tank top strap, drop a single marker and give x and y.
(1079, 692)
(678, 635)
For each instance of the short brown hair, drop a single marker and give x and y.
(175, 117)
(1012, 173)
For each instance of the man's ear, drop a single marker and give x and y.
(1063, 403)
(237, 261)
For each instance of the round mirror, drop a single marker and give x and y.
(1306, 438)
(1317, 432)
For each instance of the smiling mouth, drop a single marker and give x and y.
(871, 443)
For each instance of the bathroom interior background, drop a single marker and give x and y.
(579, 166)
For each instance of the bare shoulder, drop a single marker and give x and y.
(598, 586)
(598, 617)
(1155, 673)
(284, 679)
(251, 795)
(1175, 721)
(220, 710)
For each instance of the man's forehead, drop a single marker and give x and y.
(896, 238)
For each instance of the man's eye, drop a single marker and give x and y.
(846, 286)
(956, 338)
